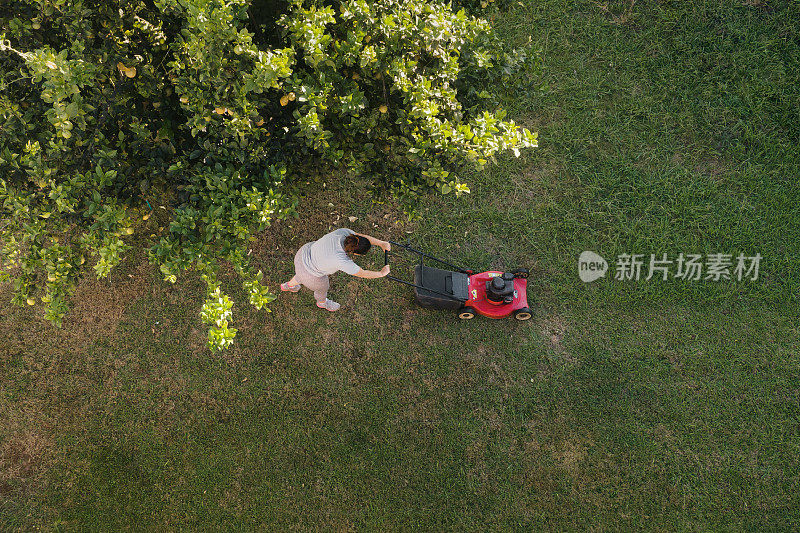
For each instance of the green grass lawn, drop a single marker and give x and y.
(665, 127)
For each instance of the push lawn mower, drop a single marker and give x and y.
(493, 293)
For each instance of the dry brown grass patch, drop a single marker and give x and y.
(569, 454)
(26, 454)
(99, 305)
(423, 411)
(554, 328)
(712, 167)
(760, 4)
(618, 16)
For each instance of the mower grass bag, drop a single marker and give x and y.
(429, 281)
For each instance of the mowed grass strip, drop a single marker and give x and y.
(664, 127)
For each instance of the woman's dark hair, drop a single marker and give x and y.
(356, 244)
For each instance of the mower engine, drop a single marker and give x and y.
(500, 289)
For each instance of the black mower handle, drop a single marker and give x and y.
(424, 255)
(386, 262)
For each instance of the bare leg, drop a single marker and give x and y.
(320, 288)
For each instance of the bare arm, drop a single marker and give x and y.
(376, 242)
(372, 274)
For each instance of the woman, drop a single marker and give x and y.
(317, 260)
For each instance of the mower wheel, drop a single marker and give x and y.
(523, 314)
(521, 273)
(466, 314)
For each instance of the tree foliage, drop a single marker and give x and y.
(213, 110)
